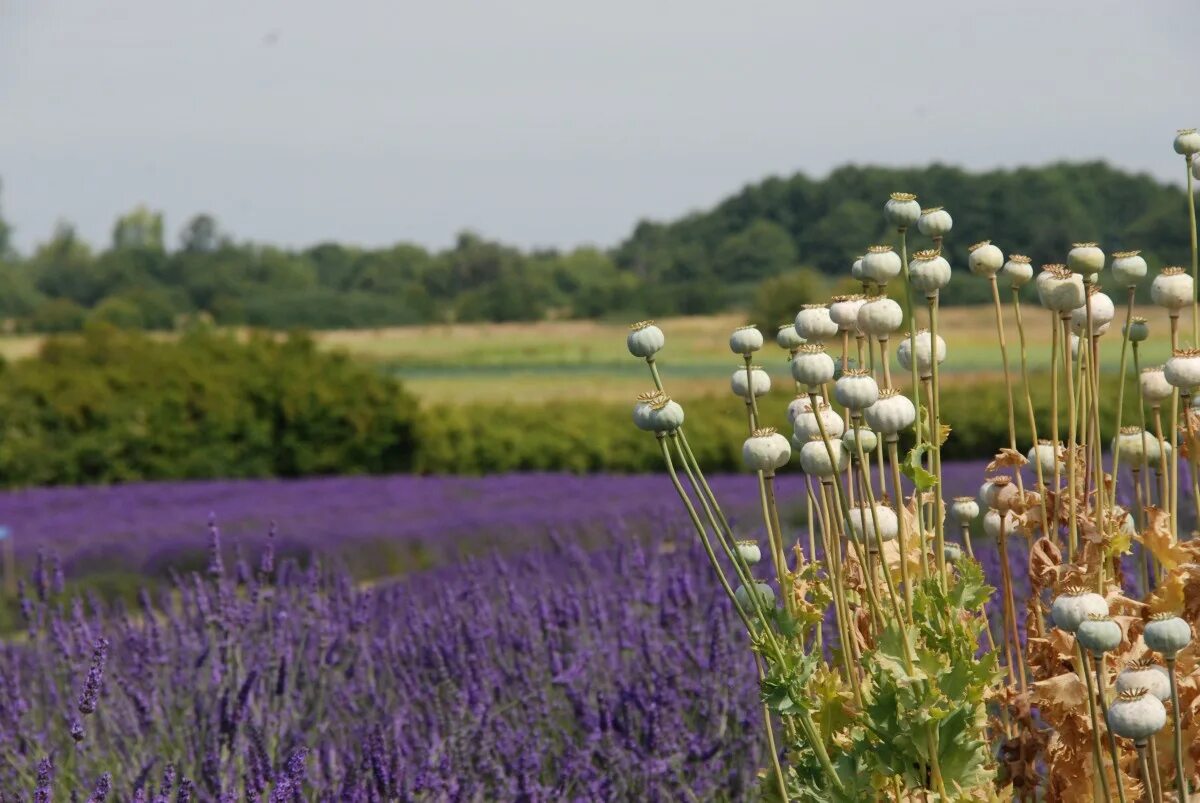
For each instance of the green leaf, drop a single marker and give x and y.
(912, 468)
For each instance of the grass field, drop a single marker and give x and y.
(554, 360)
(559, 360)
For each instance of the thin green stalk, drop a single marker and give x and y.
(1121, 373)
(1112, 739)
(780, 781)
(1073, 531)
(1033, 429)
(1181, 783)
(902, 614)
(894, 459)
(1191, 199)
(1091, 693)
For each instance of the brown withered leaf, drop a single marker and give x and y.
(1006, 458)
(1044, 559)
(1158, 538)
(1169, 596)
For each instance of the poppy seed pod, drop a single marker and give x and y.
(1154, 385)
(879, 317)
(645, 339)
(1018, 270)
(843, 310)
(788, 338)
(863, 519)
(1187, 142)
(953, 553)
(935, 222)
(1045, 454)
(1000, 493)
(864, 436)
(881, 264)
(856, 270)
(815, 458)
(1059, 289)
(994, 519)
(766, 450)
(806, 426)
(1074, 605)
(964, 510)
(765, 594)
(902, 210)
(814, 324)
(1136, 714)
(749, 552)
(1139, 330)
(925, 351)
(1128, 268)
(799, 404)
(745, 340)
(985, 259)
(642, 410)
(1103, 313)
(1167, 633)
(1172, 289)
(892, 413)
(760, 379)
(1145, 674)
(928, 272)
(856, 389)
(811, 366)
(1085, 258)
(1134, 445)
(665, 415)
(1099, 634)
(1183, 369)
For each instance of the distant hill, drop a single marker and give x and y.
(706, 261)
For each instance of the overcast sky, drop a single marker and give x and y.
(550, 122)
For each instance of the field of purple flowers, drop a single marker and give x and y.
(560, 638)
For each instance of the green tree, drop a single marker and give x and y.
(760, 250)
(778, 299)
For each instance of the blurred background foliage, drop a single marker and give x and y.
(767, 249)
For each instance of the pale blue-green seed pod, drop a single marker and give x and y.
(880, 317)
(863, 520)
(645, 339)
(925, 352)
(811, 366)
(788, 338)
(1085, 259)
(856, 389)
(902, 210)
(814, 324)
(643, 410)
(1074, 605)
(953, 553)
(928, 272)
(765, 594)
(766, 450)
(666, 415)
(985, 259)
(881, 264)
(1045, 454)
(891, 414)
(1099, 634)
(1187, 142)
(1128, 268)
(745, 340)
(1018, 270)
(1167, 634)
(1103, 312)
(1136, 714)
(864, 436)
(805, 426)
(1183, 369)
(964, 510)
(1138, 328)
(759, 382)
(824, 459)
(749, 552)
(1145, 674)
(843, 310)
(935, 222)
(1172, 288)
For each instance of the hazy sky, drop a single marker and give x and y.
(550, 122)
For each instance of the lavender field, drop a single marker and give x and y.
(507, 663)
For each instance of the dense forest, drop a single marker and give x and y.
(771, 246)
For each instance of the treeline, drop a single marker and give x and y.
(114, 406)
(785, 241)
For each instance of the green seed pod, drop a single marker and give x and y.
(1136, 714)
(1167, 633)
(1099, 634)
(645, 339)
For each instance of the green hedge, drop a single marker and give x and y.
(588, 436)
(114, 406)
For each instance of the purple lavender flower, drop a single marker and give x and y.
(95, 677)
(102, 788)
(216, 565)
(45, 776)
